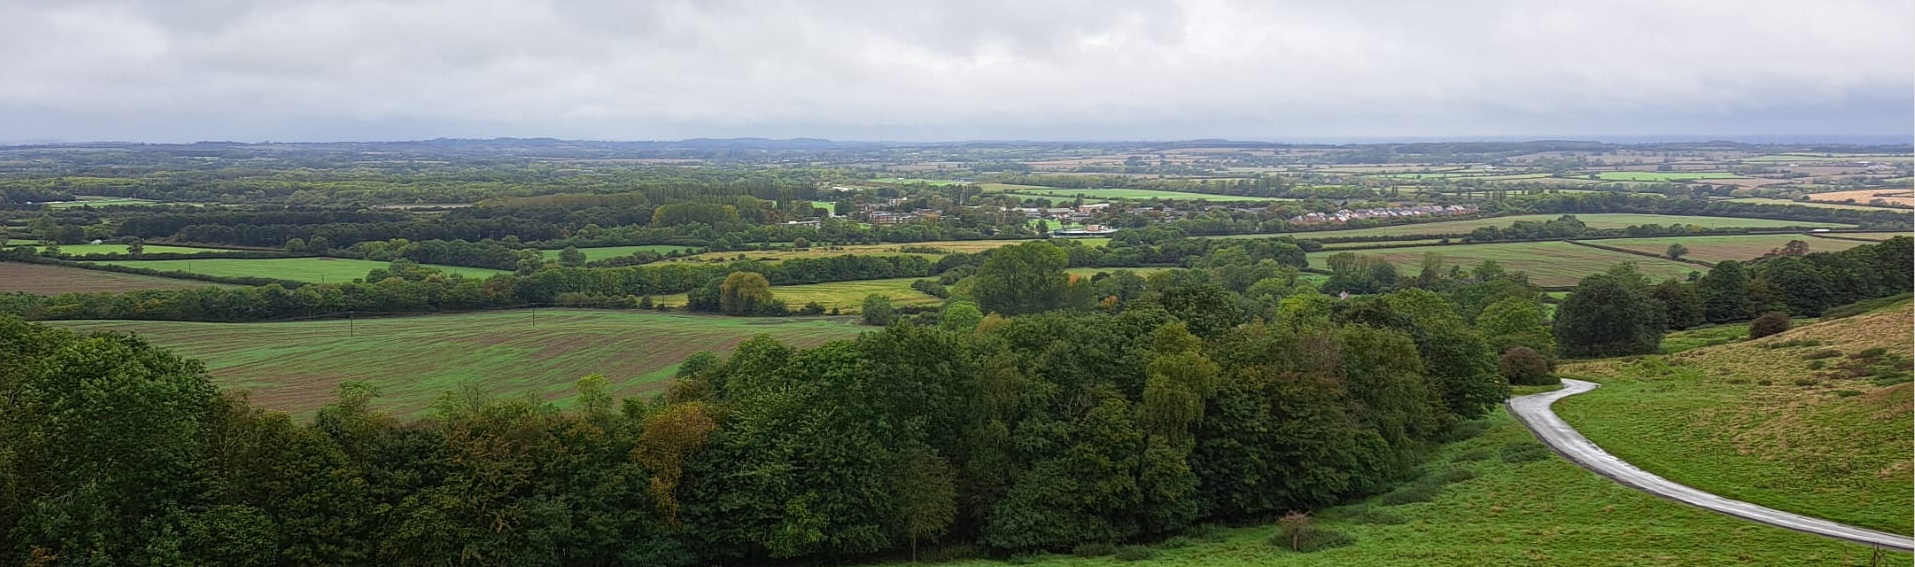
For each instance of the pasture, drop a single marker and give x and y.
(1544, 511)
(1547, 263)
(54, 280)
(323, 270)
(1596, 220)
(104, 248)
(297, 366)
(1719, 248)
(1794, 421)
(602, 252)
(1664, 175)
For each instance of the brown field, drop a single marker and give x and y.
(50, 280)
(1905, 197)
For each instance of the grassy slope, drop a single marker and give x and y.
(1734, 420)
(1547, 512)
(54, 280)
(1548, 263)
(333, 270)
(1719, 248)
(296, 366)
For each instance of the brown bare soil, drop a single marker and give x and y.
(53, 280)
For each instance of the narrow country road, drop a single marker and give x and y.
(1533, 411)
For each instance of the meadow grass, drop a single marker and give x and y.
(1775, 421)
(1547, 263)
(297, 366)
(1534, 512)
(323, 270)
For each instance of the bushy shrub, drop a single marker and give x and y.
(1135, 553)
(1094, 549)
(1524, 452)
(1296, 532)
(1523, 366)
(1464, 431)
(1471, 455)
(1177, 542)
(1410, 494)
(1768, 324)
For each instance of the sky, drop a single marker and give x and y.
(944, 70)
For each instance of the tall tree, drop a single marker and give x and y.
(1725, 293)
(1022, 278)
(1609, 315)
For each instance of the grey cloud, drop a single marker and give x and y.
(381, 69)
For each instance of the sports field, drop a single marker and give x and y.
(603, 252)
(1719, 248)
(296, 366)
(324, 270)
(91, 249)
(1548, 263)
(54, 280)
(1664, 175)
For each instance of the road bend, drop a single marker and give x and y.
(1533, 411)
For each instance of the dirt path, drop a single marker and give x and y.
(1533, 411)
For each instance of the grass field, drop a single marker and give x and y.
(1663, 175)
(965, 246)
(603, 252)
(1761, 201)
(100, 202)
(1757, 421)
(91, 249)
(1719, 248)
(1876, 236)
(53, 280)
(296, 366)
(1548, 263)
(334, 270)
(847, 297)
(1138, 194)
(1597, 220)
(1542, 512)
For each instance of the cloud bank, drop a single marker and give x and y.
(181, 70)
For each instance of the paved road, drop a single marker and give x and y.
(1533, 411)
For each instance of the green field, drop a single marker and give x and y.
(603, 252)
(1719, 248)
(847, 297)
(1544, 512)
(1009, 187)
(1663, 175)
(1758, 421)
(100, 202)
(333, 270)
(1548, 263)
(1761, 201)
(1138, 194)
(1595, 220)
(91, 249)
(296, 366)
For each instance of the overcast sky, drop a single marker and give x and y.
(336, 70)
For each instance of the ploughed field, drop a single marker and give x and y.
(297, 366)
(55, 280)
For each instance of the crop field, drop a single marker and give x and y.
(333, 270)
(1903, 197)
(847, 297)
(1664, 175)
(1762, 201)
(54, 280)
(1875, 236)
(1010, 187)
(1548, 263)
(1530, 512)
(890, 249)
(603, 252)
(91, 249)
(1719, 248)
(297, 366)
(1597, 220)
(99, 202)
(1778, 421)
(1139, 194)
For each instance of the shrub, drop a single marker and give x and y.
(1524, 366)
(1094, 549)
(1296, 533)
(1207, 533)
(1820, 354)
(1471, 455)
(1847, 393)
(949, 553)
(1177, 542)
(1135, 553)
(1805, 382)
(1410, 494)
(1463, 431)
(1768, 324)
(1521, 452)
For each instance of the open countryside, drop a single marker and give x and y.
(317, 270)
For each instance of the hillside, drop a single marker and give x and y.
(1815, 420)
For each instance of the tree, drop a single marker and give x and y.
(1020, 279)
(1514, 322)
(1725, 293)
(744, 293)
(136, 248)
(571, 257)
(1768, 324)
(1524, 366)
(1607, 315)
(1681, 305)
(960, 316)
(1801, 286)
(1676, 251)
(877, 310)
(926, 495)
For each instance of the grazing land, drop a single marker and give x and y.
(1719, 248)
(296, 366)
(1547, 263)
(603, 252)
(1664, 175)
(333, 270)
(1539, 512)
(53, 280)
(1598, 220)
(93, 249)
(1806, 421)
